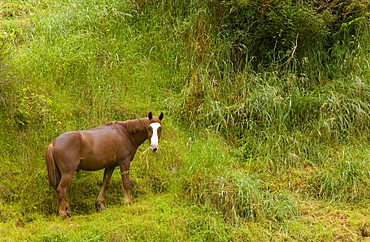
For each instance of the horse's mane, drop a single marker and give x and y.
(133, 125)
(136, 125)
(110, 123)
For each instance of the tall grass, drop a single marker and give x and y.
(208, 178)
(245, 148)
(343, 179)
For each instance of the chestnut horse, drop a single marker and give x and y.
(108, 146)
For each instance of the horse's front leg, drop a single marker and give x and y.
(107, 176)
(125, 174)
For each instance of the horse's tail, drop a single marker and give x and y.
(53, 170)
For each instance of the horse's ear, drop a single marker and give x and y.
(161, 116)
(150, 115)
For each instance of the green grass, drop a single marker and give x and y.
(247, 154)
(159, 217)
(169, 218)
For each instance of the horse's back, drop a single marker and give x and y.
(90, 149)
(87, 137)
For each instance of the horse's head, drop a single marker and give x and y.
(154, 130)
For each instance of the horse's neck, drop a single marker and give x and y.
(136, 138)
(139, 137)
(136, 134)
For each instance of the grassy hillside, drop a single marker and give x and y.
(265, 130)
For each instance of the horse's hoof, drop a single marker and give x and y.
(99, 206)
(69, 214)
(128, 203)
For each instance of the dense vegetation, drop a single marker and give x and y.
(267, 114)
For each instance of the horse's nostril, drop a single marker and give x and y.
(155, 149)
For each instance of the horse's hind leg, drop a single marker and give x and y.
(64, 209)
(107, 175)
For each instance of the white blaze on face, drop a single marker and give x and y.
(154, 139)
